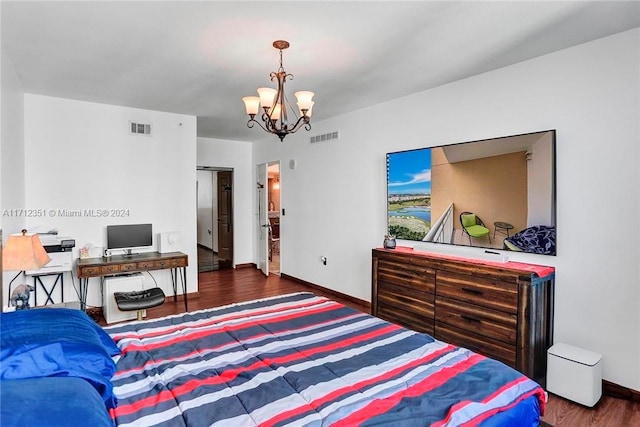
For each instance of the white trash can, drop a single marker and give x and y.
(574, 373)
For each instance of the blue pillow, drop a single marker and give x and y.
(57, 342)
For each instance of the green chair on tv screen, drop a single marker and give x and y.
(473, 226)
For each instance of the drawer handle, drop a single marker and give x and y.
(470, 319)
(472, 291)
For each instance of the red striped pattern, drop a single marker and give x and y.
(231, 374)
(459, 406)
(134, 346)
(336, 394)
(214, 320)
(378, 406)
(206, 350)
(541, 398)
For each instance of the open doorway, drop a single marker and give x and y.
(215, 218)
(273, 197)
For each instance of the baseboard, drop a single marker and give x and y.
(620, 392)
(354, 300)
(246, 265)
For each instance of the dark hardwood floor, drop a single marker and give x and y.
(223, 287)
(208, 260)
(228, 286)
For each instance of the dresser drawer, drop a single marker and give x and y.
(89, 271)
(170, 263)
(495, 349)
(146, 265)
(414, 276)
(132, 266)
(478, 290)
(106, 269)
(411, 300)
(178, 262)
(477, 319)
(405, 318)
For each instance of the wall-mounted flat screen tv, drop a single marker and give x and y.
(496, 193)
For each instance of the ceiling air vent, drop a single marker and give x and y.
(325, 137)
(140, 128)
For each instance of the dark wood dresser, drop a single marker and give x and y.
(501, 310)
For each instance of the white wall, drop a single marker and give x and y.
(335, 198)
(235, 155)
(12, 149)
(11, 159)
(79, 155)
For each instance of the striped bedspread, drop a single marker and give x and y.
(303, 360)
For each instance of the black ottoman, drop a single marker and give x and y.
(139, 300)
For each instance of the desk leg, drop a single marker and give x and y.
(174, 283)
(183, 279)
(84, 283)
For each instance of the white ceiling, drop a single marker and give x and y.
(201, 58)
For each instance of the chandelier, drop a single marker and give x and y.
(275, 118)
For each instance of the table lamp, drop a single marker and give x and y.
(23, 252)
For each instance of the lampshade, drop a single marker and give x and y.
(304, 99)
(267, 96)
(252, 104)
(24, 252)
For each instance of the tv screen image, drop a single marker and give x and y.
(128, 236)
(496, 193)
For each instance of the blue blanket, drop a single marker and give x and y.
(57, 343)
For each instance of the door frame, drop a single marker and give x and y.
(272, 264)
(262, 217)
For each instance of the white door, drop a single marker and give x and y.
(263, 219)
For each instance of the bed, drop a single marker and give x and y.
(304, 360)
